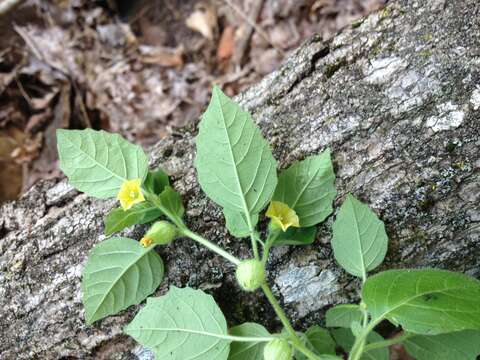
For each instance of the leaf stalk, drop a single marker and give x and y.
(296, 342)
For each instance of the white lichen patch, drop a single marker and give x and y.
(475, 99)
(450, 117)
(308, 288)
(59, 193)
(380, 71)
(411, 90)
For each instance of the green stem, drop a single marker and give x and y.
(386, 343)
(357, 350)
(307, 352)
(253, 238)
(182, 228)
(215, 248)
(246, 338)
(268, 245)
(266, 252)
(296, 342)
(359, 345)
(279, 311)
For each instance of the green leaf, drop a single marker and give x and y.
(237, 224)
(183, 324)
(308, 188)
(320, 340)
(359, 240)
(343, 315)
(119, 273)
(345, 340)
(171, 202)
(296, 236)
(97, 162)
(464, 345)
(247, 350)
(119, 219)
(235, 165)
(316, 339)
(156, 181)
(424, 301)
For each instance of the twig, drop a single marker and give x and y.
(25, 95)
(8, 5)
(251, 21)
(81, 104)
(30, 43)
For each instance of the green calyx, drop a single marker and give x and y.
(278, 349)
(162, 233)
(250, 274)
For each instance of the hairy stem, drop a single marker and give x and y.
(385, 343)
(296, 342)
(268, 245)
(253, 238)
(357, 350)
(208, 244)
(359, 344)
(182, 228)
(246, 338)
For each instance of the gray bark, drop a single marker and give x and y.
(397, 100)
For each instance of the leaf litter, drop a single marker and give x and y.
(141, 70)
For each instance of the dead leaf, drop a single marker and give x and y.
(38, 121)
(41, 103)
(203, 20)
(226, 45)
(162, 56)
(28, 151)
(11, 174)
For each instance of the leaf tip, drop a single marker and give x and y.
(89, 319)
(350, 198)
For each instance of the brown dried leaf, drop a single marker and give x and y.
(162, 56)
(29, 150)
(37, 121)
(43, 102)
(203, 20)
(226, 45)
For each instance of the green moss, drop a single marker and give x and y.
(427, 37)
(419, 236)
(376, 51)
(329, 120)
(385, 12)
(357, 23)
(331, 69)
(460, 165)
(426, 53)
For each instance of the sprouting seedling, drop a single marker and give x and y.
(438, 310)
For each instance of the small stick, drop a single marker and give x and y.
(251, 21)
(8, 5)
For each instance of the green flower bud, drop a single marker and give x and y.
(250, 274)
(162, 232)
(277, 349)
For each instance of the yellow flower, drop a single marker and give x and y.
(130, 193)
(146, 241)
(282, 216)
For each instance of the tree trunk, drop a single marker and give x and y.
(396, 98)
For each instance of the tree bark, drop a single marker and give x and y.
(397, 100)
